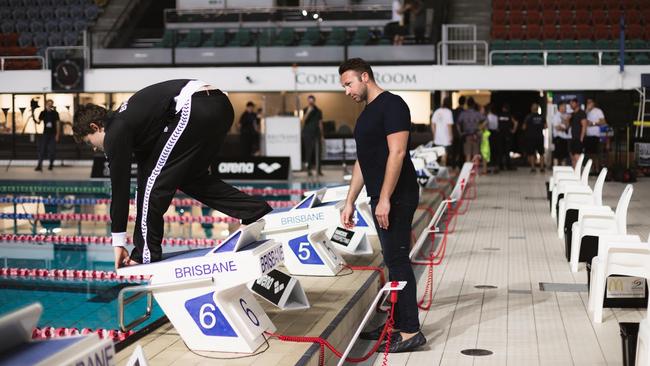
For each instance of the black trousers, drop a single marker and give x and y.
(311, 153)
(506, 140)
(46, 147)
(496, 150)
(395, 246)
(249, 143)
(181, 160)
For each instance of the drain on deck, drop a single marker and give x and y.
(520, 292)
(517, 237)
(497, 207)
(535, 198)
(490, 248)
(563, 287)
(485, 287)
(476, 352)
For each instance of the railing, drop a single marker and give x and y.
(3, 58)
(443, 48)
(545, 53)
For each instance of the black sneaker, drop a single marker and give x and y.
(408, 345)
(49, 167)
(373, 335)
(39, 169)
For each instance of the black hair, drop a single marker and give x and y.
(446, 102)
(471, 103)
(357, 64)
(461, 100)
(84, 116)
(250, 104)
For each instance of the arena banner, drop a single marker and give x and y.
(253, 168)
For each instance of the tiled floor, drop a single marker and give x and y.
(520, 324)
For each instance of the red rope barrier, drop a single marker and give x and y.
(386, 333)
(106, 218)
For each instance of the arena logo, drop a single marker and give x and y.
(236, 168)
(333, 79)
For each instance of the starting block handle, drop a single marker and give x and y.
(140, 291)
(286, 228)
(388, 287)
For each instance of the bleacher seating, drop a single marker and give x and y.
(27, 27)
(579, 25)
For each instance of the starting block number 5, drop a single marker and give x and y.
(209, 318)
(304, 251)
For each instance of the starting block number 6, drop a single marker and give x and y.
(209, 318)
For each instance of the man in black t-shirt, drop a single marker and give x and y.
(51, 134)
(382, 134)
(311, 134)
(249, 137)
(507, 127)
(578, 127)
(457, 157)
(175, 130)
(533, 127)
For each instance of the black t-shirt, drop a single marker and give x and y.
(575, 125)
(50, 119)
(505, 122)
(312, 122)
(248, 121)
(534, 125)
(385, 115)
(135, 128)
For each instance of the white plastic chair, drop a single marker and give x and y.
(594, 223)
(643, 344)
(564, 184)
(575, 200)
(563, 170)
(608, 245)
(626, 262)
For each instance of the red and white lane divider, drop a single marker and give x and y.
(52, 332)
(105, 201)
(107, 218)
(272, 191)
(102, 240)
(71, 274)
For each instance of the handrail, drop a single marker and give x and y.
(545, 53)
(3, 58)
(119, 21)
(477, 42)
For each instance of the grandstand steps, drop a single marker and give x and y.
(107, 20)
(472, 12)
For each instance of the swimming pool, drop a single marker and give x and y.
(77, 243)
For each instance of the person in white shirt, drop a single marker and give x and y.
(595, 119)
(561, 135)
(442, 123)
(495, 147)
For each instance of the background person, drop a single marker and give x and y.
(51, 135)
(442, 126)
(561, 135)
(592, 145)
(249, 131)
(578, 127)
(493, 128)
(457, 157)
(533, 127)
(382, 134)
(312, 131)
(507, 128)
(469, 127)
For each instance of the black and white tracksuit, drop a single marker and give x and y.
(175, 133)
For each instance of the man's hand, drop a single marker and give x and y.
(381, 213)
(122, 258)
(346, 215)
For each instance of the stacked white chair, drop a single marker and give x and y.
(599, 222)
(570, 183)
(575, 199)
(643, 344)
(559, 171)
(615, 253)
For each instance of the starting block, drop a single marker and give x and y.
(203, 292)
(340, 193)
(311, 210)
(17, 347)
(308, 253)
(281, 290)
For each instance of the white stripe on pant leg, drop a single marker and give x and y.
(162, 160)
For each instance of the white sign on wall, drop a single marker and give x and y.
(281, 137)
(200, 4)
